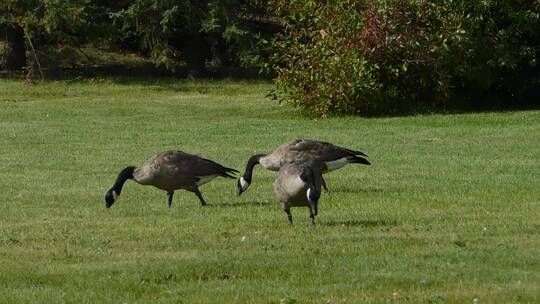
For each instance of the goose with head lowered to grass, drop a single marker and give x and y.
(331, 157)
(170, 171)
(299, 185)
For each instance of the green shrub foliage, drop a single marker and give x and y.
(400, 56)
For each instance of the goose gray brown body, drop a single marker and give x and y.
(170, 171)
(299, 185)
(331, 157)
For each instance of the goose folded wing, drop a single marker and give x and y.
(324, 151)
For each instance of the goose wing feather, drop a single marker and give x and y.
(322, 151)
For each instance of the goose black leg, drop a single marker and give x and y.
(195, 190)
(170, 195)
(324, 184)
(289, 215)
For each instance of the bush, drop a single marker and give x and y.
(400, 56)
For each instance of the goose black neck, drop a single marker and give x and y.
(311, 175)
(254, 160)
(125, 174)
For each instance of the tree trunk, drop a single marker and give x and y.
(14, 57)
(196, 52)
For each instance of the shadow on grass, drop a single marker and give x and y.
(136, 73)
(361, 223)
(352, 189)
(146, 74)
(242, 204)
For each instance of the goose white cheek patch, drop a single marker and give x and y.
(115, 196)
(307, 193)
(243, 183)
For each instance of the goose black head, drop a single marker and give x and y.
(114, 192)
(110, 197)
(242, 185)
(245, 180)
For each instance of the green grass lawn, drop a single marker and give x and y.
(448, 212)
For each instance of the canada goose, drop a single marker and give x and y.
(169, 171)
(331, 156)
(299, 184)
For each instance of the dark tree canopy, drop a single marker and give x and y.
(171, 33)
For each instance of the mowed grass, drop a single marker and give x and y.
(449, 212)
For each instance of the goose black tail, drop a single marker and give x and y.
(229, 172)
(223, 171)
(359, 160)
(354, 152)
